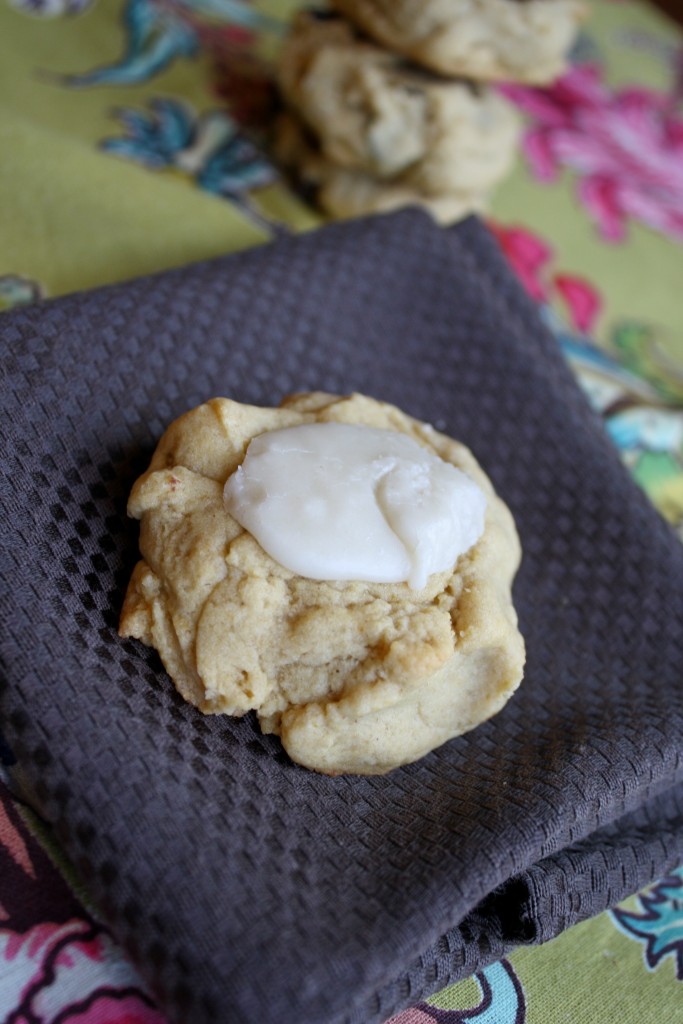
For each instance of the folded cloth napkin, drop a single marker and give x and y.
(246, 887)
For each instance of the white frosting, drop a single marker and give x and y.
(335, 501)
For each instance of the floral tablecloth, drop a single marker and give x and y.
(133, 138)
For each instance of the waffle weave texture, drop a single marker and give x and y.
(245, 887)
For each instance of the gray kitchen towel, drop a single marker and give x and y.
(245, 887)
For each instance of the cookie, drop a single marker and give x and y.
(353, 676)
(488, 40)
(344, 193)
(368, 111)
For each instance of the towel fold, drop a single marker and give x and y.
(245, 887)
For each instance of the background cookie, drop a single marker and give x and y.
(368, 111)
(487, 40)
(344, 193)
(354, 677)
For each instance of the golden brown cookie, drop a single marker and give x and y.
(368, 112)
(354, 677)
(343, 193)
(488, 40)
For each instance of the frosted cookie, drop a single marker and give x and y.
(488, 40)
(343, 193)
(370, 112)
(354, 675)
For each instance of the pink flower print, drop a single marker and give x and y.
(528, 254)
(581, 299)
(531, 257)
(13, 841)
(73, 973)
(412, 1016)
(625, 146)
(113, 1008)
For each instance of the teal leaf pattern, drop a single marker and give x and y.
(659, 923)
(159, 32)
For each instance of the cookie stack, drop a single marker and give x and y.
(389, 102)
